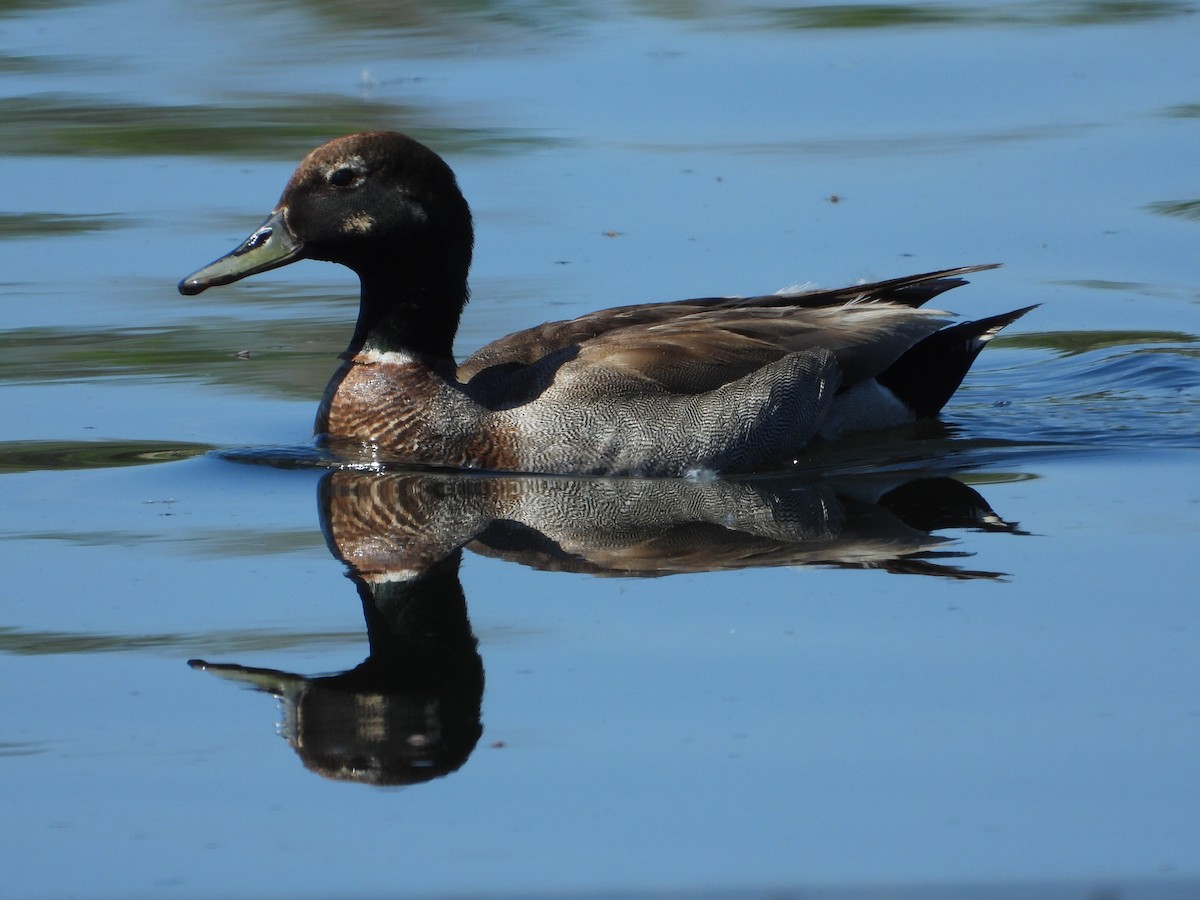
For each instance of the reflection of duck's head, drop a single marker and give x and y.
(724, 384)
(366, 732)
(408, 713)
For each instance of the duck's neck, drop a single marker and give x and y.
(398, 374)
(419, 323)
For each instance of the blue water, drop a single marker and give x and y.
(985, 692)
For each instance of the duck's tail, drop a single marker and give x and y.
(930, 371)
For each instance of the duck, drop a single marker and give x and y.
(722, 385)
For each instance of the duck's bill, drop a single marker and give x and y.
(270, 246)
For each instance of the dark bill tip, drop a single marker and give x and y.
(191, 286)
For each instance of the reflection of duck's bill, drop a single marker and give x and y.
(269, 246)
(270, 680)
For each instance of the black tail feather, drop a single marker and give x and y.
(930, 371)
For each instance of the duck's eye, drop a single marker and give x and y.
(343, 177)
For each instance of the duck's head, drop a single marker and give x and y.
(378, 202)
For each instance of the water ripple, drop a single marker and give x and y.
(1138, 395)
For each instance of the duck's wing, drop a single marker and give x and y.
(705, 350)
(696, 345)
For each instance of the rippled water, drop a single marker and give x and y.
(959, 662)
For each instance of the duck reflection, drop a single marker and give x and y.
(410, 712)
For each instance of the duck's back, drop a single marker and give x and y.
(691, 346)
